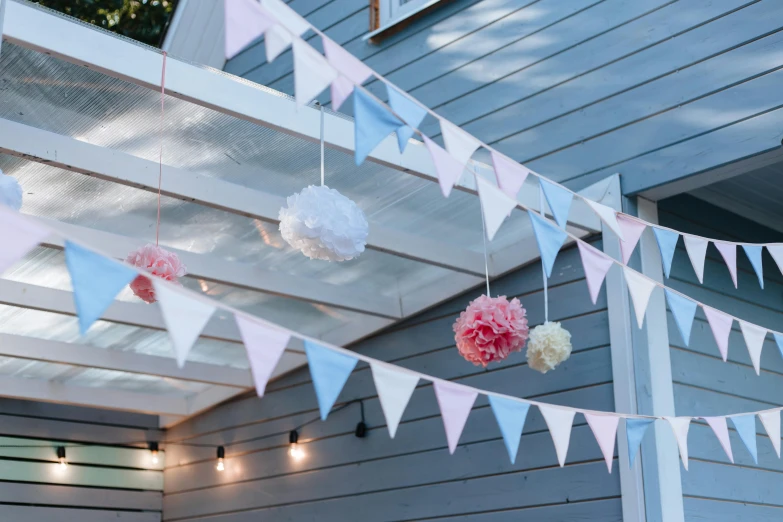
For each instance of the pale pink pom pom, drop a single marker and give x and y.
(490, 329)
(157, 262)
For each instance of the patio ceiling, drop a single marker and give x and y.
(79, 128)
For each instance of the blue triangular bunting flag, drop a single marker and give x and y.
(96, 282)
(559, 200)
(667, 242)
(754, 255)
(746, 427)
(329, 371)
(779, 341)
(372, 123)
(411, 113)
(511, 417)
(634, 431)
(549, 239)
(683, 310)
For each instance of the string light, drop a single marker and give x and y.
(295, 451)
(221, 454)
(61, 457)
(154, 452)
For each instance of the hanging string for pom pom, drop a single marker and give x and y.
(322, 144)
(543, 269)
(160, 156)
(484, 237)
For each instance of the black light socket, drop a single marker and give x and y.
(60, 452)
(153, 446)
(293, 437)
(221, 452)
(361, 430)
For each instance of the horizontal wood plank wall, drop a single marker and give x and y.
(715, 489)
(412, 477)
(113, 482)
(577, 89)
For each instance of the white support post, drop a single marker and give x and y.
(621, 321)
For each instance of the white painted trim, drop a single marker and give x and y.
(621, 320)
(389, 21)
(667, 461)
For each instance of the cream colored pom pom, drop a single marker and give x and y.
(549, 345)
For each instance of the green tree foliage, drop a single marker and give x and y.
(141, 20)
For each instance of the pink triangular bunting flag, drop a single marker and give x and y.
(559, 422)
(720, 324)
(754, 339)
(640, 288)
(449, 170)
(771, 422)
(265, 345)
(605, 430)
(718, 425)
(245, 20)
(352, 71)
(455, 403)
(697, 250)
(680, 426)
(510, 175)
(596, 264)
(18, 235)
(632, 230)
(729, 253)
(459, 143)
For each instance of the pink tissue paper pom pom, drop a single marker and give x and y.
(157, 262)
(490, 329)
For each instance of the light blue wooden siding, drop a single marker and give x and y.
(108, 483)
(412, 477)
(715, 489)
(579, 89)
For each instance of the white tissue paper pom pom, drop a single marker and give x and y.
(10, 192)
(324, 224)
(549, 345)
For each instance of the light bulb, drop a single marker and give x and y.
(154, 457)
(221, 454)
(295, 452)
(61, 457)
(220, 466)
(63, 464)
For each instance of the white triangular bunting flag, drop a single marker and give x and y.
(596, 264)
(18, 235)
(286, 16)
(495, 205)
(680, 426)
(276, 40)
(720, 324)
(312, 73)
(608, 216)
(640, 289)
(459, 143)
(729, 253)
(265, 345)
(697, 249)
(771, 422)
(632, 231)
(776, 251)
(604, 428)
(754, 339)
(185, 317)
(721, 431)
(559, 422)
(395, 388)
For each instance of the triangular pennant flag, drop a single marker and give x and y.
(728, 252)
(559, 200)
(265, 345)
(605, 430)
(276, 40)
(771, 422)
(395, 388)
(372, 123)
(510, 175)
(559, 422)
(185, 317)
(779, 341)
(286, 16)
(667, 243)
(697, 250)
(341, 88)
(312, 73)
(410, 112)
(608, 216)
(632, 230)
(511, 417)
(718, 425)
(634, 432)
(549, 239)
(640, 289)
(776, 251)
(459, 143)
(746, 428)
(449, 170)
(495, 205)
(754, 256)
(455, 403)
(245, 21)
(720, 324)
(680, 427)
(683, 310)
(18, 235)
(329, 370)
(596, 264)
(96, 282)
(352, 71)
(754, 339)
